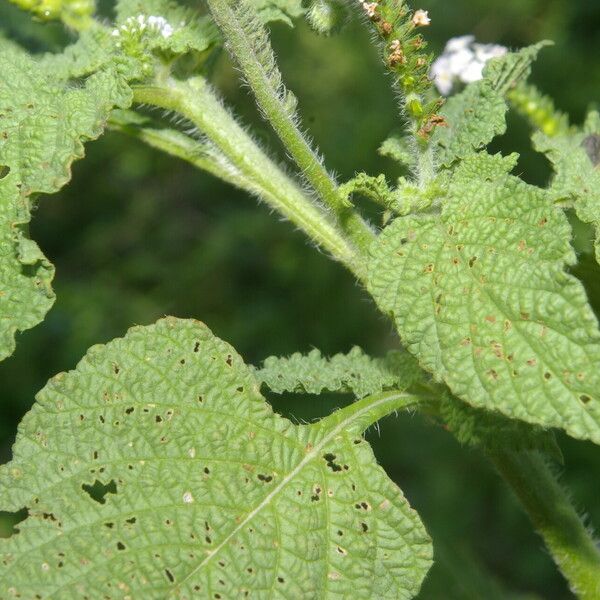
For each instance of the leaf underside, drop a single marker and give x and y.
(361, 374)
(482, 299)
(354, 372)
(157, 470)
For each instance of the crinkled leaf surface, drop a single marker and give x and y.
(576, 161)
(361, 374)
(477, 115)
(506, 72)
(93, 51)
(481, 297)
(25, 273)
(157, 470)
(43, 123)
(354, 372)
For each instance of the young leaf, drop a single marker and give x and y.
(575, 158)
(279, 10)
(399, 148)
(482, 299)
(374, 188)
(354, 372)
(477, 115)
(43, 122)
(508, 71)
(165, 474)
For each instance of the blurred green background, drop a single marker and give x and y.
(138, 235)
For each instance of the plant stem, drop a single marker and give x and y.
(195, 100)
(367, 411)
(555, 519)
(425, 166)
(191, 150)
(257, 64)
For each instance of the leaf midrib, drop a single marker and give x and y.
(310, 456)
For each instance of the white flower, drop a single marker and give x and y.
(458, 43)
(463, 60)
(442, 75)
(421, 18)
(137, 25)
(472, 72)
(485, 52)
(459, 61)
(161, 25)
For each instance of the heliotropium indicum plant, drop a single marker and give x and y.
(156, 468)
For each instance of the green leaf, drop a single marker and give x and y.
(279, 10)
(93, 51)
(399, 148)
(374, 188)
(481, 297)
(354, 372)
(477, 115)
(508, 71)
(575, 159)
(157, 470)
(43, 123)
(25, 273)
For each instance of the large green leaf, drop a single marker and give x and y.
(481, 297)
(157, 470)
(43, 123)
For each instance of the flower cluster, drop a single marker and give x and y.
(138, 25)
(462, 61)
(405, 57)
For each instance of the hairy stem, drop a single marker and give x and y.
(253, 169)
(555, 519)
(249, 45)
(191, 150)
(366, 412)
(425, 163)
